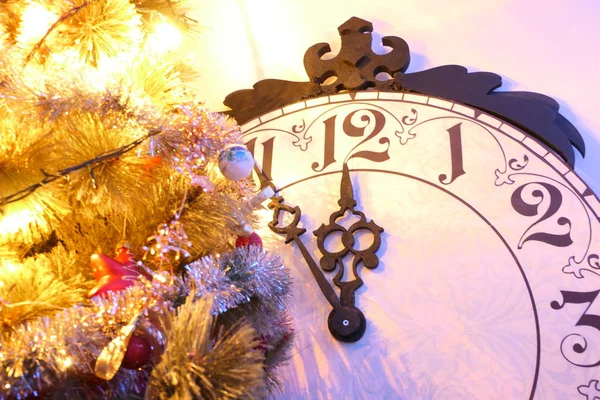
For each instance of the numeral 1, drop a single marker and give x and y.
(455, 154)
(329, 145)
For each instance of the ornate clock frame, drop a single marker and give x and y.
(357, 68)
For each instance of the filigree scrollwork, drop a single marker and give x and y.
(590, 264)
(591, 391)
(407, 120)
(301, 141)
(514, 165)
(410, 119)
(356, 68)
(517, 165)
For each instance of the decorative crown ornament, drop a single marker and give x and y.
(356, 66)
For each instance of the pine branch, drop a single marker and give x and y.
(72, 12)
(90, 164)
(172, 8)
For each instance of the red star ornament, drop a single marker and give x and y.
(114, 275)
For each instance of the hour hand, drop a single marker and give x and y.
(348, 323)
(293, 233)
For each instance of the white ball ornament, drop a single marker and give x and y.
(236, 162)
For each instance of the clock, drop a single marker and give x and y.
(442, 247)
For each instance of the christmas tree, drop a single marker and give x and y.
(121, 200)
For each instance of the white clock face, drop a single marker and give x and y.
(488, 279)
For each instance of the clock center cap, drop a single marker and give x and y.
(347, 324)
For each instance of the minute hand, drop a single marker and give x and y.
(346, 322)
(293, 234)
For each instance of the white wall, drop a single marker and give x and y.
(546, 46)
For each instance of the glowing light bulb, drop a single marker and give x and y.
(66, 363)
(19, 220)
(15, 221)
(9, 267)
(3, 37)
(165, 38)
(35, 22)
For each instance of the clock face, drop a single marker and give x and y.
(487, 285)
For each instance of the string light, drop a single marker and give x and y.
(9, 267)
(99, 159)
(17, 221)
(35, 22)
(165, 38)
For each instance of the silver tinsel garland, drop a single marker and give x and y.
(41, 356)
(233, 278)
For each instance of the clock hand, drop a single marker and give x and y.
(293, 234)
(346, 322)
(367, 256)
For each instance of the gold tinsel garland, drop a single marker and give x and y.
(100, 142)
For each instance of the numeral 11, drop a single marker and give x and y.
(267, 163)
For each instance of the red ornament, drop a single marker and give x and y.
(252, 240)
(115, 274)
(152, 162)
(138, 353)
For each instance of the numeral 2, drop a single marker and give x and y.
(521, 206)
